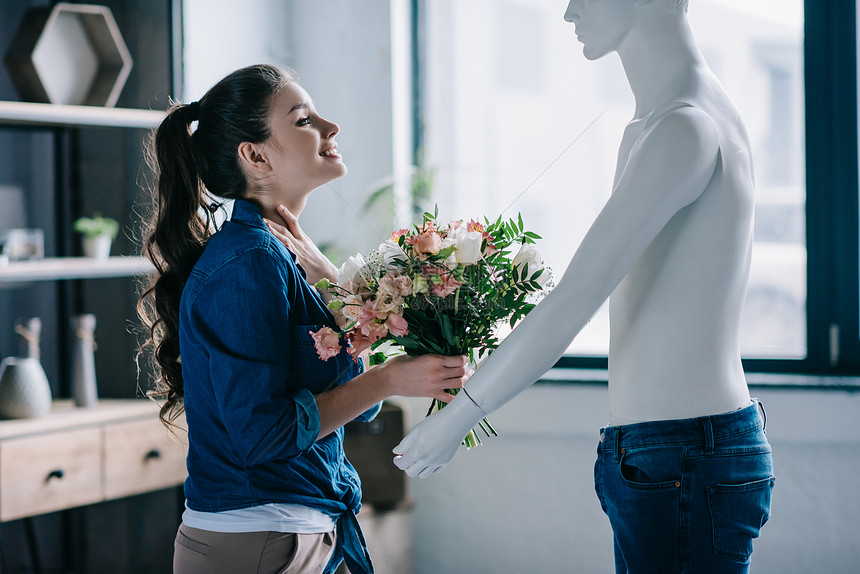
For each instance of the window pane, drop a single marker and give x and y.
(761, 66)
(517, 121)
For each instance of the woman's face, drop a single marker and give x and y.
(301, 146)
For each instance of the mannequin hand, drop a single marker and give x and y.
(431, 445)
(315, 264)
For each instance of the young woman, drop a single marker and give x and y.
(230, 315)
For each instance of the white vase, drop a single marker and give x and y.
(24, 389)
(98, 246)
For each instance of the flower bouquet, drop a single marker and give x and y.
(443, 289)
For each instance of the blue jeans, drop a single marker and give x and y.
(686, 496)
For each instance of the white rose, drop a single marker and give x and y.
(451, 261)
(529, 255)
(468, 245)
(389, 250)
(354, 271)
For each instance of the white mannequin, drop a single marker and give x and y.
(672, 245)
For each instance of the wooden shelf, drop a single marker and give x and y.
(27, 113)
(50, 269)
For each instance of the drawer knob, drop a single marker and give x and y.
(58, 474)
(154, 453)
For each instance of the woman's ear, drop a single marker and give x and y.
(253, 158)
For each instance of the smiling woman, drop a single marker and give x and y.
(230, 314)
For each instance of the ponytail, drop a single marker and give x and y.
(173, 245)
(190, 167)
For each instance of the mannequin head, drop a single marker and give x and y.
(602, 25)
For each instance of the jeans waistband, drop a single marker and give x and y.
(701, 430)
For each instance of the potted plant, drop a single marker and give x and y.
(98, 233)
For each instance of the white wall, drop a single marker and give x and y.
(525, 502)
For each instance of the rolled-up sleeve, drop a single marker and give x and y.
(246, 335)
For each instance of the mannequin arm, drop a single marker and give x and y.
(669, 167)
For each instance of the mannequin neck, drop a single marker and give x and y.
(658, 56)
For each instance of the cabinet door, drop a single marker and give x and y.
(49, 472)
(141, 456)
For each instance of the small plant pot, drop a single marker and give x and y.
(97, 247)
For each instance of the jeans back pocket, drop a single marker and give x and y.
(738, 512)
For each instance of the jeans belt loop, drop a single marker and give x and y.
(763, 414)
(708, 429)
(618, 443)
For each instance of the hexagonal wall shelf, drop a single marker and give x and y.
(69, 54)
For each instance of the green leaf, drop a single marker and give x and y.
(444, 253)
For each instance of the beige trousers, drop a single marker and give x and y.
(205, 552)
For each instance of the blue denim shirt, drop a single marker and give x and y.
(250, 373)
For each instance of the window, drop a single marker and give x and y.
(516, 120)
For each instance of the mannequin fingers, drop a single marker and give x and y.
(404, 445)
(404, 463)
(430, 470)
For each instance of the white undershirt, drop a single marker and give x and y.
(263, 518)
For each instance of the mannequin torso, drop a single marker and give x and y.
(681, 300)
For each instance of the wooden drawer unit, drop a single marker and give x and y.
(141, 456)
(49, 472)
(73, 457)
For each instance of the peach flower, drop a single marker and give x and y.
(397, 325)
(327, 343)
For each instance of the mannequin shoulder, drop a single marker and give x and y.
(674, 157)
(685, 126)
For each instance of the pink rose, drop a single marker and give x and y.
(358, 344)
(397, 325)
(327, 343)
(403, 285)
(374, 330)
(370, 312)
(352, 305)
(428, 243)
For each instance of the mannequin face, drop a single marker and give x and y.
(601, 25)
(301, 149)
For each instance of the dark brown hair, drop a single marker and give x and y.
(190, 168)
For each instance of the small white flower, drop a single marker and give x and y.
(529, 255)
(354, 271)
(389, 250)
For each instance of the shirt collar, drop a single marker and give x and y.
(246, 212)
